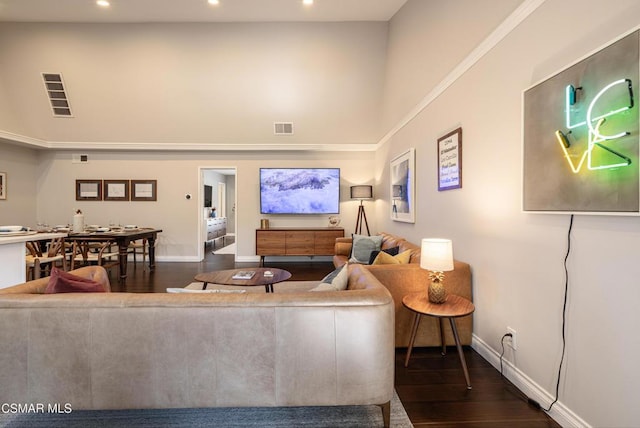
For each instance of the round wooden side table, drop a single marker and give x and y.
(454, 307)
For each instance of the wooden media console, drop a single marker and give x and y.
(296, 241)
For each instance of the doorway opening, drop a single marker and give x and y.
(218, 215)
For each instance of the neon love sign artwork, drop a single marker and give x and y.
(594, 124)
(581, 135)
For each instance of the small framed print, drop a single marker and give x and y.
(116, 190)
(3, 185)
(403, 183)
(88, 190)
(450, 161)
(144, 190)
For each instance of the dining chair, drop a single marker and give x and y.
(42, 255)
(139, 246)
(99, 253)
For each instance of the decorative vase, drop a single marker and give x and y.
(437, 292)
(78, 222)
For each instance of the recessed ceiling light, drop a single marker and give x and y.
(214, 2)
(103, 3)
(307, 2)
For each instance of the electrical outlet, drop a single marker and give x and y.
(511, 341)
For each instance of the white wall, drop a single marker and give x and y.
(21, 166)
(8, 119)
(231, 204)
(198, 83)
(178, 174)
(517, 258)
(433, 38)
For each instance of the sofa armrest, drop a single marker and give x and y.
(342, 251)
(343, 246)
(401, 280)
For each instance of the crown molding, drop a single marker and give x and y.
(23, 140)
(208, 147)
(509, 24)
(37, 143)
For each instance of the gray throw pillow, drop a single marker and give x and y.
(335, 281)
(362, 247)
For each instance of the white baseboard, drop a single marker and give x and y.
(559, 412)
(248, 259)
(242, 259)
(177, 259)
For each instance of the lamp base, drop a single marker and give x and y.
(436, 292)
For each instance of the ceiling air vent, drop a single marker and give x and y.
(57, 96)
(283, 128)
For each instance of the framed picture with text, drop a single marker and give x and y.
(450, 160)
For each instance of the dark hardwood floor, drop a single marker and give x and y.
(432, 389)
(434, 394)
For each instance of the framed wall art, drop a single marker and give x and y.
(580, 136)
(3, 185)
(116, 190)
(402, 188)
(144, 190)
(450, 160)
(88, 190)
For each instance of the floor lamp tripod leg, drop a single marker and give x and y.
(364, 216)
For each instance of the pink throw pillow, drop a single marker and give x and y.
(64, 282)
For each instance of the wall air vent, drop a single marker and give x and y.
(54, 86)
(79, 158)
(283, 128)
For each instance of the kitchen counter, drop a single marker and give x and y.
(12, 256)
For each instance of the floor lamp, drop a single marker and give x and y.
(362, 193)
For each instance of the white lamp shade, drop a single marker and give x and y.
(436, 254)
(362, 192)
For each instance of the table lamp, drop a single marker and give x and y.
(436, 256)
(361, 192)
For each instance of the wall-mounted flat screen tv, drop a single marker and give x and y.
(299, 190)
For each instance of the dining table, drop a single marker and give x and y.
(122, 238)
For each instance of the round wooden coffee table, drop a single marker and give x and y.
(225, 277)
(454, 307)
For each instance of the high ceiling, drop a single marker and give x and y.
(197, 10)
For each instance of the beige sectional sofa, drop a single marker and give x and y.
(161, 350)
(402, 279)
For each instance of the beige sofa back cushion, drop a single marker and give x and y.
(161, 350)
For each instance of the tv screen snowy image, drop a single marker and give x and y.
(299, 190)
